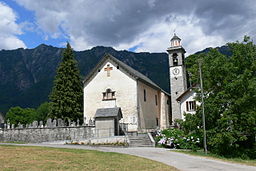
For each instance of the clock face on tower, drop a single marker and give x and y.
(175, 71)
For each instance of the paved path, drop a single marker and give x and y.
(181, 161)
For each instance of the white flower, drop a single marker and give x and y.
(162, 141)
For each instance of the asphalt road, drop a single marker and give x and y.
(181, 161)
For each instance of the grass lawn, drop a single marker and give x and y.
(43, 158)
(14, 142)
(215, 156)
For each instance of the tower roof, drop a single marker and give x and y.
(175, 37)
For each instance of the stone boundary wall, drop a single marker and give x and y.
(52, 130)
(38, 135)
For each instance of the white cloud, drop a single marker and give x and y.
(79, 43)
(146, 23)
(157, 37)
(9, 29)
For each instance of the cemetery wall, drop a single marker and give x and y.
(51, 131)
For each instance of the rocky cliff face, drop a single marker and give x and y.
(27, 74)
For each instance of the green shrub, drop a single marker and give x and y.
(176, 138)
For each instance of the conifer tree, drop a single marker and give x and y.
(67, 94)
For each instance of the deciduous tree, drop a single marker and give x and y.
(43, 111)
(230, 98)
(17, 115)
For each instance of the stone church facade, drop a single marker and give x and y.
(145, 106)
(112, 83)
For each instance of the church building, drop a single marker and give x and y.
(144, 105)
(112, 83)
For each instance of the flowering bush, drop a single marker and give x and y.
(175, 138)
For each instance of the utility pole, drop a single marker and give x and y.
(202, 96)
(189, 77)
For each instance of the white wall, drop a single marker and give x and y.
(125, 88)
(164, 111)
(190, 96)
(149, 111)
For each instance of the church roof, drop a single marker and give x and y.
(109, 112)
(137, 75)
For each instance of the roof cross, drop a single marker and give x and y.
(108, 69)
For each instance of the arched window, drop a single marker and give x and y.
(109, 94)
(175, 59)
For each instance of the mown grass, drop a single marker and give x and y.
(13, 142)
(215, 156)
(43, 158)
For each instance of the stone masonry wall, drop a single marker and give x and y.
(55, 130)
(37, 135)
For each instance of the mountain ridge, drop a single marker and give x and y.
(27, 74)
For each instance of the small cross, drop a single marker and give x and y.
(108, 69)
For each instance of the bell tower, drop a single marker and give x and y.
(178, 80)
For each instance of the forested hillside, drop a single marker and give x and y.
(27, 74)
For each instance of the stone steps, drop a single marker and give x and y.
(140, 140)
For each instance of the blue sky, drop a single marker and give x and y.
(145, 25)
(36, 36)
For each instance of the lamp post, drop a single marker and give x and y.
(202, 96)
